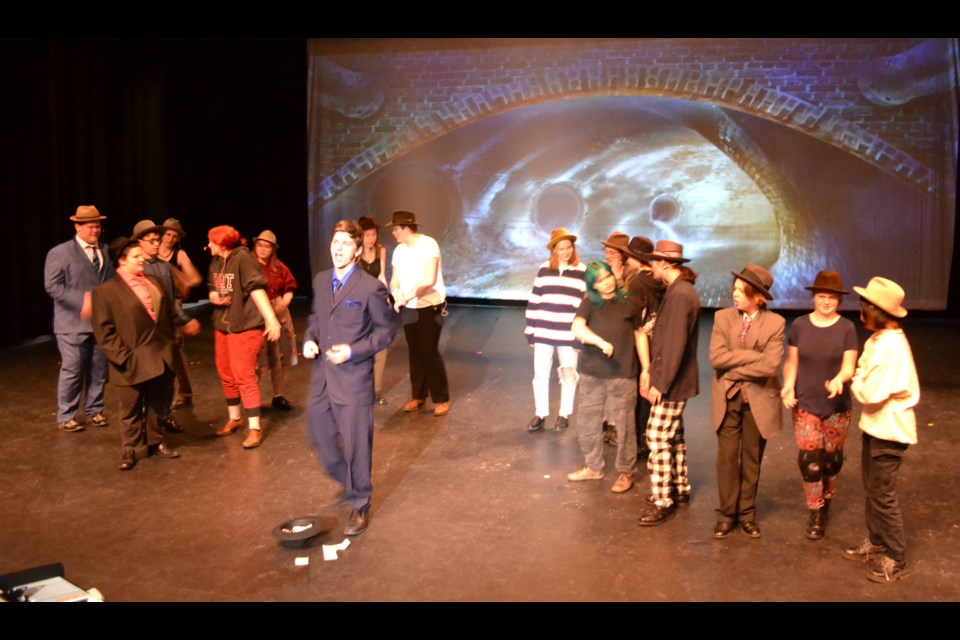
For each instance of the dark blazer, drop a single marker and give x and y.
(136, 347)
(754, 366)
(673, 348)
(67, 275)
(360, 317)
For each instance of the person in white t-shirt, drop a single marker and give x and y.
(420, 298)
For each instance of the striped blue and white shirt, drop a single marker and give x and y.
(553, 304)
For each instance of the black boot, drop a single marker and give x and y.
(815, 524)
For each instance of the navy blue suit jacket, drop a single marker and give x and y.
(67, 275)
(362, 318)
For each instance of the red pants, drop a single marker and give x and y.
(237, 357)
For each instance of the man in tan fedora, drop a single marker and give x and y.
(72, 270)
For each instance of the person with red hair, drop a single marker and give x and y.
(242, 318)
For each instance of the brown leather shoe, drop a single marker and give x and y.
(441, 409)
(624, 483)
(254, 438)
(413, 405)
(230, 427)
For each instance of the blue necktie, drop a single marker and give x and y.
(96, 259)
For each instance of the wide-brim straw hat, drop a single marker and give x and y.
(758, 277)
(885, 294)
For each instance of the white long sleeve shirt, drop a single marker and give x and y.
(886, 383)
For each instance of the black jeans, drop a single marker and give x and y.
(427, 371)
(880, 466)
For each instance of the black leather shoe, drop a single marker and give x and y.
(279, 402)
(723, 529)
(357, 524)
(129, 460)
(166, 452)
(657, 515)
(562, 423)
(169, 425)
(815, 524)
(536, 424)
(750, 528)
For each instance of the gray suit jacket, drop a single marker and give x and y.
(753, 366)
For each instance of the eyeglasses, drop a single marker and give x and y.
(152, 241)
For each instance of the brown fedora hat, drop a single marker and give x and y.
(638, 247)
(144, 227)
(667, 250)
(558, 234)
(617, 240)
(758, 277)
(87, 213)
(172, 224)
(828, 282)
(401, 216)
(886, 294)
(267, 236)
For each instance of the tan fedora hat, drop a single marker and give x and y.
(558, 234)
(172, 224)
(144, 227)
(617, 240)
(758, 277)
(667, 250)
(267, 236)
(87, 213)
(885, 294)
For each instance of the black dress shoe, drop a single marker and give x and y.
(723, 529)
(166, 452)
(279, 402)
(357, 523)
(815, 524)
(657, 515)
(169, 425)
(536, 424)
(129, 460)
(562, 423)
(750, 528)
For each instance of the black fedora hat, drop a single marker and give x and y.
(401, 216)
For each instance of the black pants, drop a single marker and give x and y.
(428, 375)
(880, 466)
(140, 407)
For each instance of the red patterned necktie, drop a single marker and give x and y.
(747, 321)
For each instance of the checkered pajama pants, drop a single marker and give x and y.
(668, 452)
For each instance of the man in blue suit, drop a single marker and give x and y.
(73, 269)
(351, 321)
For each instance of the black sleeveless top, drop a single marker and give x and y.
(373, 268)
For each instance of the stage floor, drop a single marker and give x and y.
(467, 507)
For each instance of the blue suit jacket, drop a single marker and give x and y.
(362, 318)
(67, 275)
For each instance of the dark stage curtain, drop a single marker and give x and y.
(210, 131)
